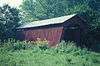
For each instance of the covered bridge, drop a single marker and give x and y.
(69, 28)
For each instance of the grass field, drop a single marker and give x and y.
(66, 54)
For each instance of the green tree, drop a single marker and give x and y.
(92, 15)
(43, 9)
(9, 20)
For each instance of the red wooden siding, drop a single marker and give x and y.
(53, 35)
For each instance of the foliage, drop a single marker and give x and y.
(43, 9)
(9, 20)
(65, 54)
(40, 42)
(12, 45)
(43, 44)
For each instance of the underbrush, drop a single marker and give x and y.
(23, 53)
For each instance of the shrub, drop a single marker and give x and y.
(12, 44)
(42, 44)
(28, 53)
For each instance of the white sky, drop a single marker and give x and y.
(13, 3)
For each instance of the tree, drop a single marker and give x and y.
(93, 15)
(44, 9)
(9, 20)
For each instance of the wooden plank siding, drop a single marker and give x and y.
(52, 35)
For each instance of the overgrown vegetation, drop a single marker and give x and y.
(44, 9)
(9, 20)
(22, 53)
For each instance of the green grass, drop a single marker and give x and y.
(66, 54)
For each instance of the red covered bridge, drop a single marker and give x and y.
(71, 27)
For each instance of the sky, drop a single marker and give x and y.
(13, 3)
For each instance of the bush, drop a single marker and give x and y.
(70, 47)
(29, 54)
(42, 44)
(12, 44)
(63, 47)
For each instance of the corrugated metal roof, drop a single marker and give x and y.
(47, 21)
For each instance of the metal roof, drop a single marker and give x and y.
(57, 20)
